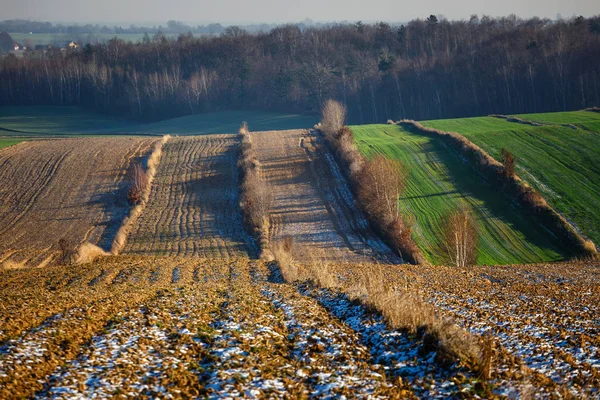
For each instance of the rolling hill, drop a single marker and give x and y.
(439, 182)
(559, 161)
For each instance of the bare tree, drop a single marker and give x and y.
(333, 117)
(460, 239)
(383, 181)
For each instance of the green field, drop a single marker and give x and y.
(439, 182)
(560, 162)
(69, 121)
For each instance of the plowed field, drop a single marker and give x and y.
(62, 189)
(313, 203)
(193, 207)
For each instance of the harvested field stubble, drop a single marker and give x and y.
(70, 189)
(313, 204)
(193, 204)
(545, 316)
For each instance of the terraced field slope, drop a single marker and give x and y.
(313, 204)
(193, 207)
(439, 182)
(62, 189)
(560, 162)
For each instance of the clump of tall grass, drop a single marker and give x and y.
(256, 197)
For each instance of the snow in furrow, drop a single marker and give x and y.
(395, 350)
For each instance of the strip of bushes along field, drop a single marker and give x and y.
(256, 196)
(139, 194)
(514, 187)
(376, 184)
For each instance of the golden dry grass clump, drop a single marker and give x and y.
(256, 198)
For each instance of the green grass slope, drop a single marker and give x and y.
(69, 121)
(56, 121)
(440, 181)
(560, 162)
(227, 122)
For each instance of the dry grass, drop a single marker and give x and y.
(256, 198)
(87, 253)
(514, 187)
(134, 213)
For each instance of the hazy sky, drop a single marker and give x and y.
(244, 11)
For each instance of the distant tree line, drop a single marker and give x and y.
(426, 69)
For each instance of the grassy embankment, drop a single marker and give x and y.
(439, 181)
(560, 162)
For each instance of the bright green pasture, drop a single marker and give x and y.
(562, 163)
(59, 121)
(439, 182)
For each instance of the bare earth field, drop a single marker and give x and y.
(143, 326)
(547, 315)
(313, 203)
(193, 207)
(544, 318)
(55, 189)
(172, 327)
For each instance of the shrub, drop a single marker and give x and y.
(67, 249)
(509, 162)
(138, 182)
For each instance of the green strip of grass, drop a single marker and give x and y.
(439, 181)
(560, 162)
(9, 142)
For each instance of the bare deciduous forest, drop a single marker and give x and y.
(427, 69)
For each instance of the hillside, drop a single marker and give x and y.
(72, 189)
(560, 162)
(75, 121)
(440, 182)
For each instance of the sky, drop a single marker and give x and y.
(280, 11)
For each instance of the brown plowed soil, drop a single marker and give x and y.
(193, 207)
(54, 189)
(313, 203)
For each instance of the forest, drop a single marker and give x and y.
(425, 69)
